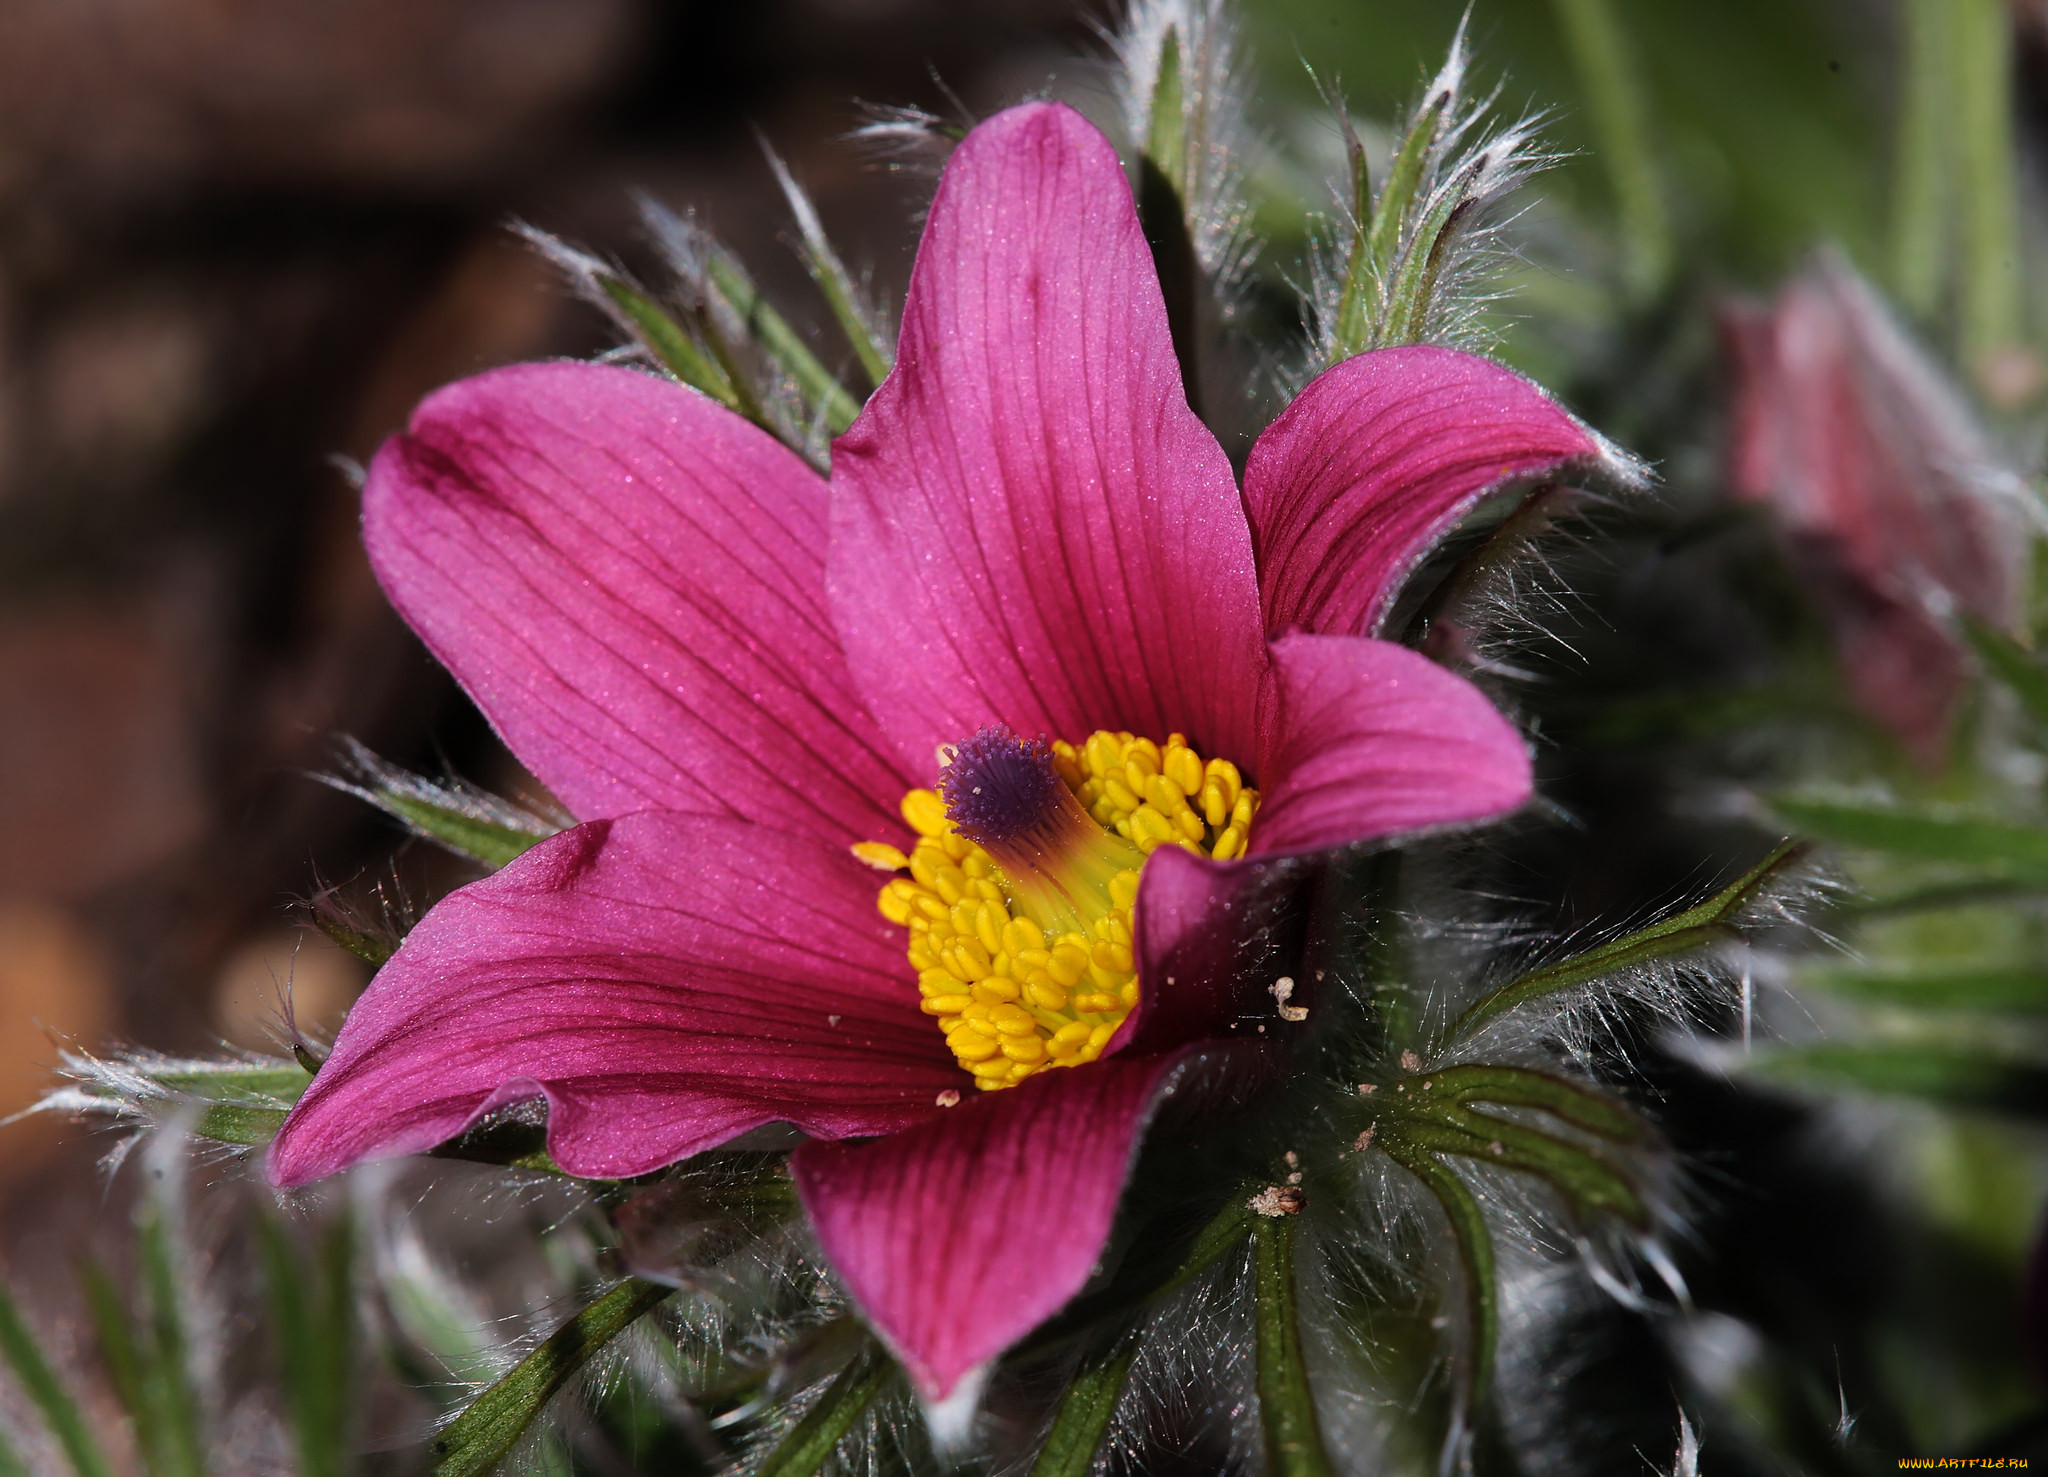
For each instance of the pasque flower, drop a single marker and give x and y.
(1897, 506)
(924, 809)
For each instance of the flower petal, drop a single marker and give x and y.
(1029, 526)
(1212, 937)
(667, 982)
(1379, 457)
(960, 1236)
(629, 580)
(1369, 739)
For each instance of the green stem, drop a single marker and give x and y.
(1083, 1418)
(824, 1426)
(1620, 116)
(1990, 286)
(1922, 181)
(1287, 1410)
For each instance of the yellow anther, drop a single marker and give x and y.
(1149, 828)
(971, 1046)
(1021, 986)
(1068, 963)
(1043, 993)
(1112, 958)
(1166, 795)
(926, 813)
(898, 901)
(881, 856)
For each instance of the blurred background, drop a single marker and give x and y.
(240, 238)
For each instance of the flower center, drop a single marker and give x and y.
(1021, 884)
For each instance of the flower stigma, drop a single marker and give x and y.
(1020, 886)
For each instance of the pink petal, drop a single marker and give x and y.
(1212, 937)
(1899, 510)
(629, 580)
(1029, 526)
(960, 1236)
(667, 982)
(1375, 461)
(1371, 739)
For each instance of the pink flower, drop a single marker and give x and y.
(1897, 507)
(739, 674)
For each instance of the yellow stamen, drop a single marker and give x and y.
(1028, 962)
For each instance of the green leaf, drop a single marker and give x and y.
(1956, 1076)
(2012, 664)
(1710, 922)
(1287, 1409)
(2016, 989)
(484, 841)
(1390, 212)
(825, 1424)
(313, 1324)
(122, 1359)
(668, 341)
(1620, 115)
(18, 1346)
(1990, 848)
(236, 1082)
(1084, 1415)
(493, 1422)
(1475, 1250)
(166, 1365)
(1166, 134)
(1352, 333)
(819, 387)
(459, 817)
(248, 1127)
(870, 344)
(11, 1464)
(1405, 311)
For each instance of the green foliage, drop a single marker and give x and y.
(1710, 922)
(60, 1411)
(1084, 1413)
(312, 1323)
(810, 1444)
(459, 817)
(1423, 1122)
(491, 1425)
